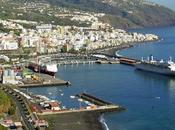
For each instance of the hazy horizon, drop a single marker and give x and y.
(167, 3)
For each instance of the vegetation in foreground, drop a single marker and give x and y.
(3, 128)
(6, 104)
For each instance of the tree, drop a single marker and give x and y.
(3, 128)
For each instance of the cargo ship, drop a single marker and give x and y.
(161, 67)
(50, 69)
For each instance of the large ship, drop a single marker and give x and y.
(50, 69)
(161, 67)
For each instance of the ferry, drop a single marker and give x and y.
(161, 67)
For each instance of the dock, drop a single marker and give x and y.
(107, 62)
(45, 81)
(121, 60)
(116, 59)
(127, 61)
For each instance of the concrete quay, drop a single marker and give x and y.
(72, 62)
(128, 61)
(107, 62)
(44, 81)
(101, 109)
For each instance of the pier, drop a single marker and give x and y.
(114, 59)
(107, 62)
(72, 62)
(90, 59)
(68, 59)
(127, 61)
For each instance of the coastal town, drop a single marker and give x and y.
(31, 51)
(49, 39)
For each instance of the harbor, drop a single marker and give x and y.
(87, 65)
(116, 90)
(35, 75)
(91, 104)
(81, 118)
(41, 75)
(33, 108)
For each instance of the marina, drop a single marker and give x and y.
(34, 107)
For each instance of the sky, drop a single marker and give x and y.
(167, 3)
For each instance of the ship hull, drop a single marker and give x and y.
(155, 69)
(39, 69)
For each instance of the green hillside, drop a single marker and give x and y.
(6, 104)
(124, 13)
(119, 13)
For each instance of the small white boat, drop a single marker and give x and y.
(80, 100)
(157, 97)
(87, 102)
(72, 97)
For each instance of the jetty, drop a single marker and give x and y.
(93, 99)
(127, 61)
(107, 62)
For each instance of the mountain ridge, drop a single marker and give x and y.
(118, 13)
(128, 13)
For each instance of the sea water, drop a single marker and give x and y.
(149, 98)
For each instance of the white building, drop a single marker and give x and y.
(8, 45)
(44, 28)
(9, 77)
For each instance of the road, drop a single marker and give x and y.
(21, 105)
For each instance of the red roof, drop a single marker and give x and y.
(8, 121)
(41, 123)
(54, 104)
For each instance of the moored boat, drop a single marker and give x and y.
(161, 67)
(50, 69)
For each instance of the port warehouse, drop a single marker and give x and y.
(24, 77)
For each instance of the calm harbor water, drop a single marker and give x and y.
(148, 97)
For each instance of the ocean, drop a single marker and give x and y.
(148, 97)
